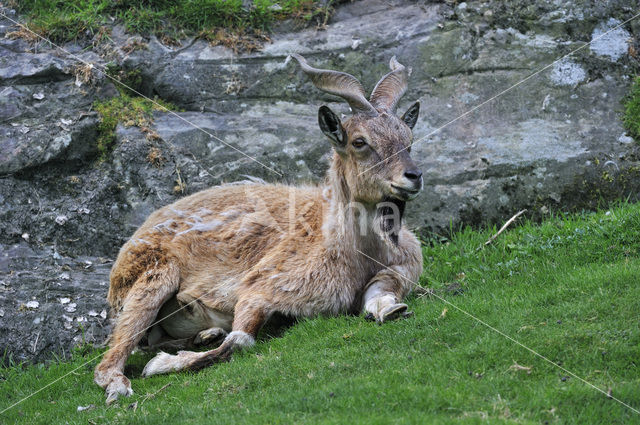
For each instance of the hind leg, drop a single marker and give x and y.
(209, 336)
(249, 316)
(140, 308)
(164, 342)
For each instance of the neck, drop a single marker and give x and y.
(351, 225)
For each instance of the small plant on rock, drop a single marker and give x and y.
(631, 117)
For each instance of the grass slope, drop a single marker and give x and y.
(72, 19)
(567, 288)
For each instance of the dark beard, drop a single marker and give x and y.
(387, 224)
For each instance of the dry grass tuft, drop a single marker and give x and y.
(84, 74)
(170, 40)
(155, 157)
(23, 34)
(237, 40)
(133, 45)
(181, 186)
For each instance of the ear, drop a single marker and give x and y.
(411, 116)
(332, 128)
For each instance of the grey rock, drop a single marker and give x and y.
(480, 168)
(44, 142)
(30, 68)
(35, 325)
(44, 115)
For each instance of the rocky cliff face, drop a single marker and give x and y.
(555, 141)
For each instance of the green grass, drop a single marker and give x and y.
(631, 118)
(568, 288)
(72, 19)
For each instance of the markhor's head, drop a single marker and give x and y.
(374, 143)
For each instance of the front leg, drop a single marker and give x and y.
(383, 296)
(382, 300)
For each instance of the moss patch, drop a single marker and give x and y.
(631, 117)
(129, 111)
(126, 81)
(128, 108)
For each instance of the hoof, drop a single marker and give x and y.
(393, 312)
(119, 385)
(209, 336)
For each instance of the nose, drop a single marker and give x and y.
(414, 175)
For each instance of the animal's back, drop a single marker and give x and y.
(227, 228)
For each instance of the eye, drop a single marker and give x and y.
(359, 143)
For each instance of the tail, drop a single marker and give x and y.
(132, 262)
